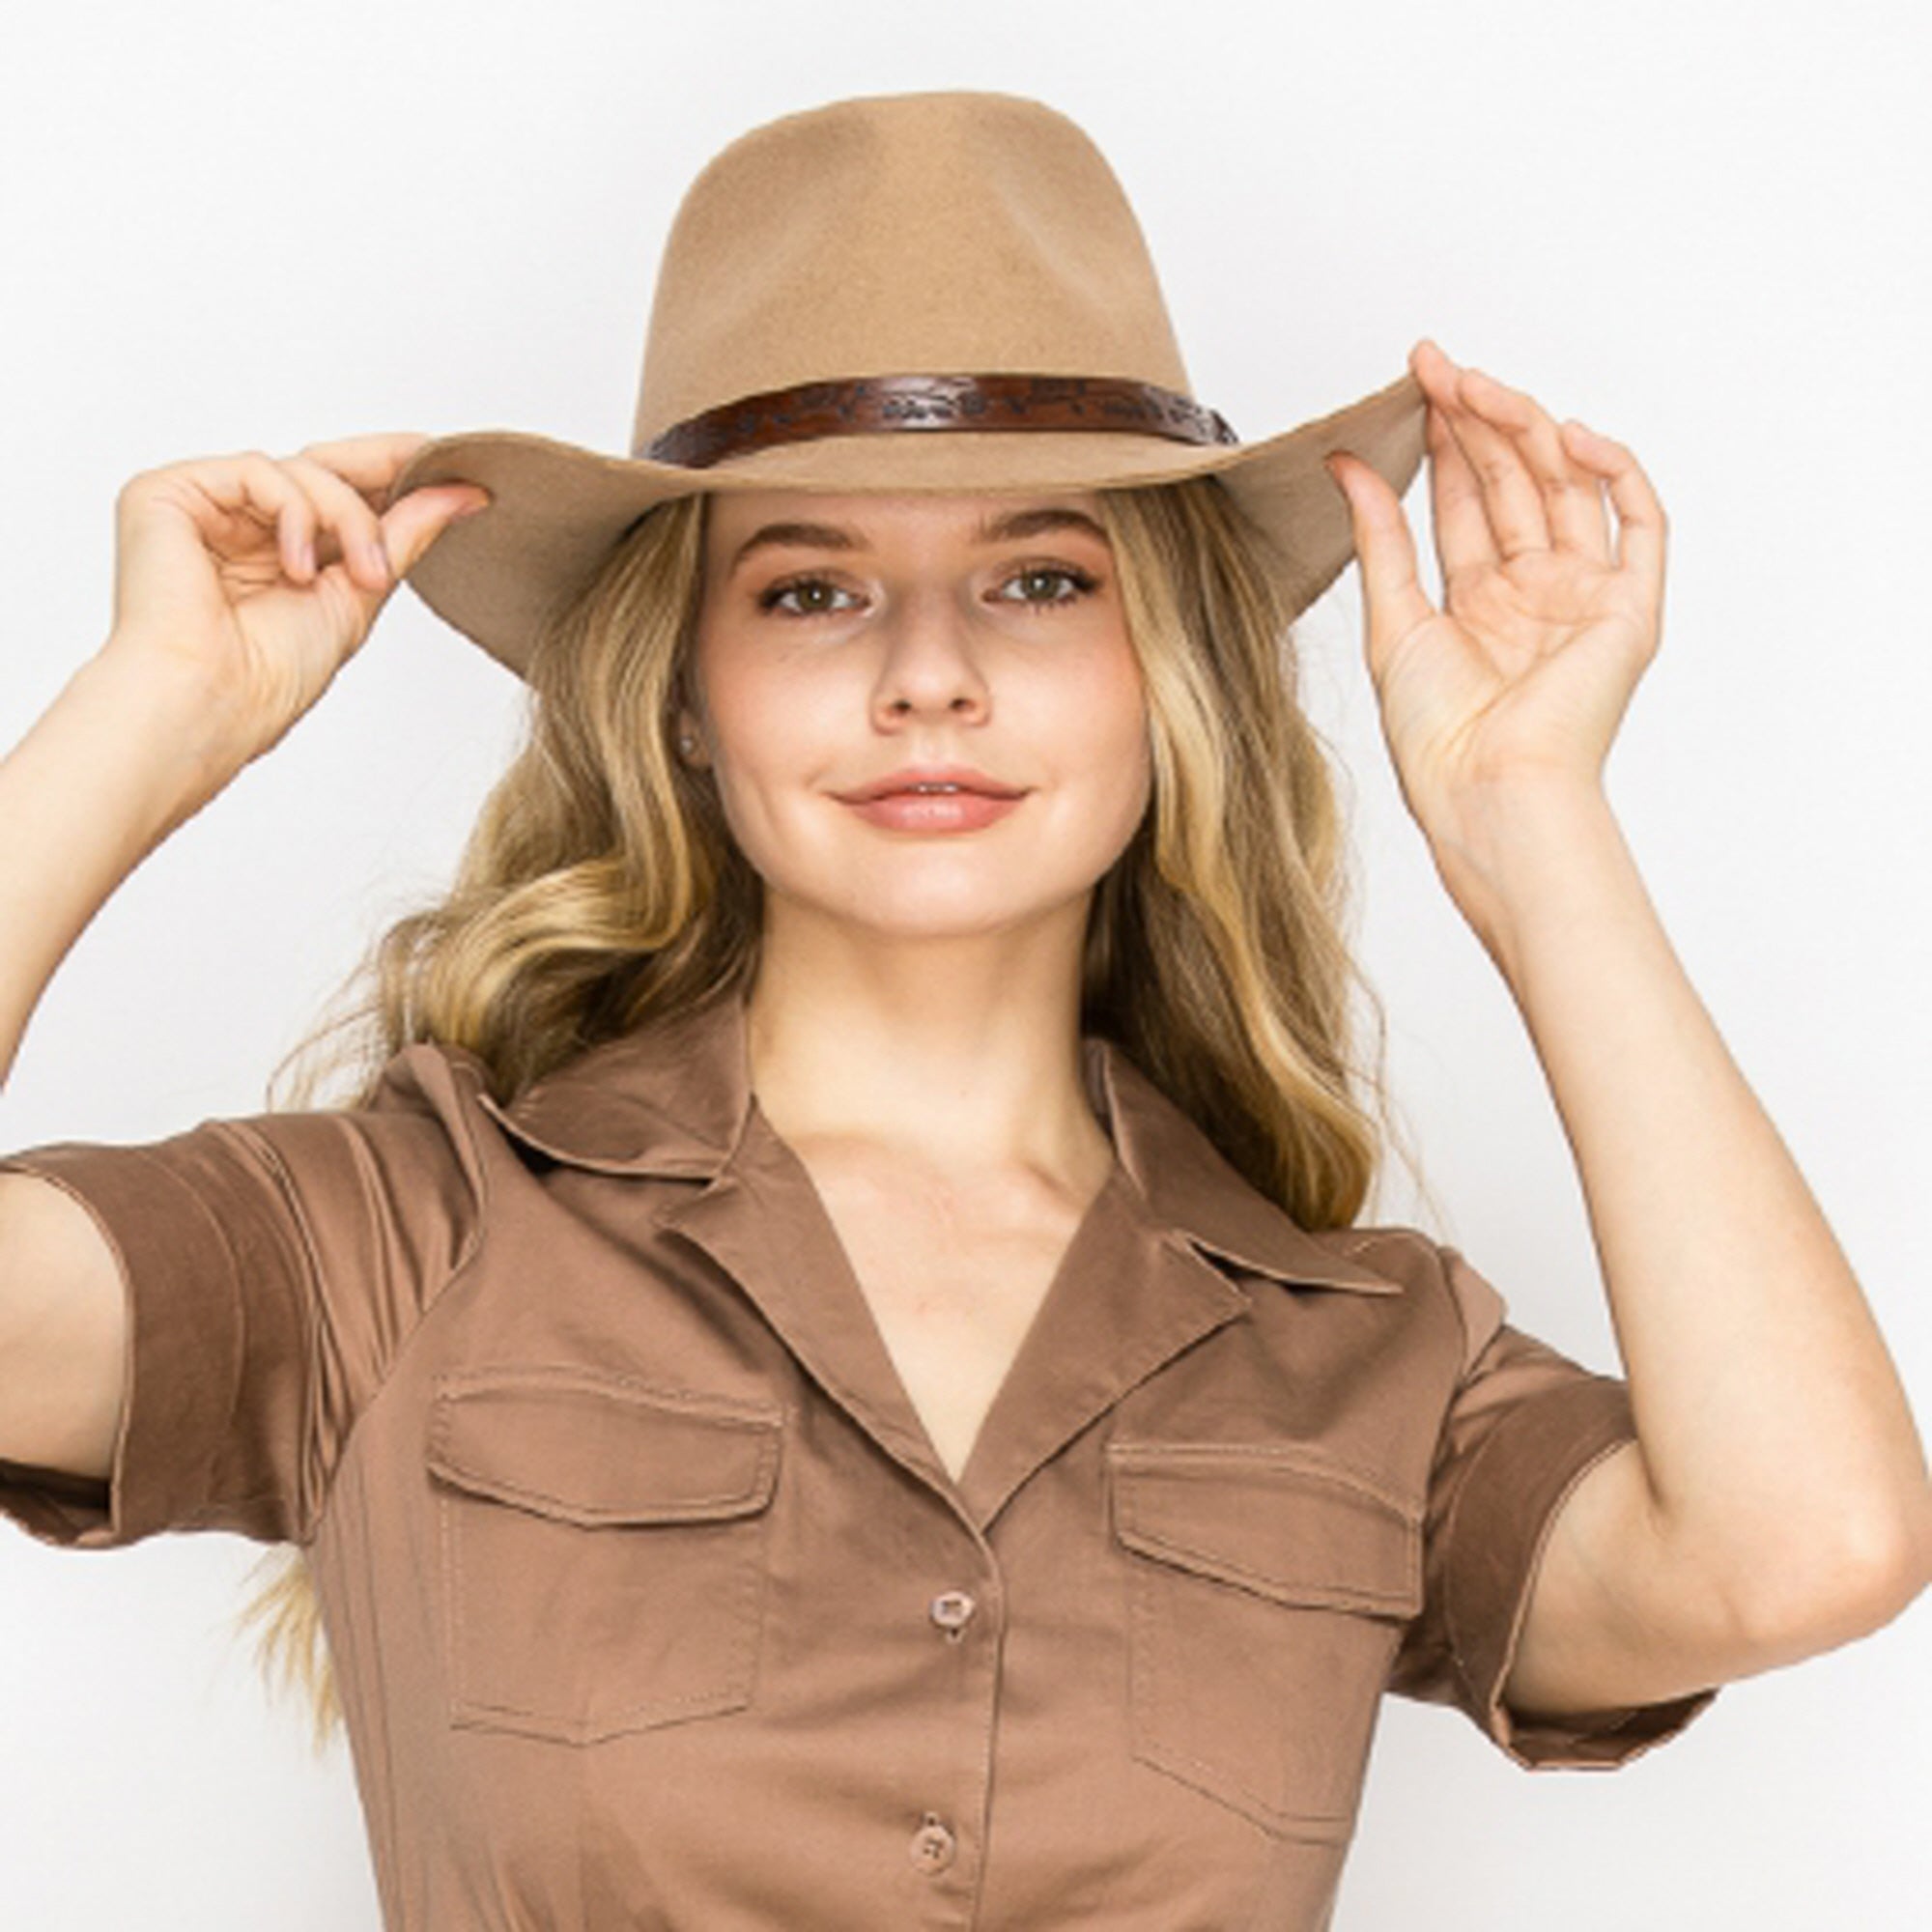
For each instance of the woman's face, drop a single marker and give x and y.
(843, 638)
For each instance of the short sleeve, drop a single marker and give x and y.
(273, 1265)
(1524, 1426)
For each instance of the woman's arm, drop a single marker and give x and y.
(103, 776)
(1777, 1501)
(231, 621)
(1778, 1468)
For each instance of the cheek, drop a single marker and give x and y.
(761, 710)
(777, 738)
(1103, 733)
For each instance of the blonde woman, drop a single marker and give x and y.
(826, 1374)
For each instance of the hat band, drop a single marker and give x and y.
(870, 405)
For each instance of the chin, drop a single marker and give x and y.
(896, 902)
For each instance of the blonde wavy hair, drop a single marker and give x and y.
(600, 889)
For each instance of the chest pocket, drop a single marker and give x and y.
(602, 1550)
(1266, 1589)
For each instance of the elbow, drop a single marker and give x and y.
(1870, 1575)
(1911, 1549)
(1899, 1558)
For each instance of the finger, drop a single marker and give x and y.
(1573, 499)
(338, 507)
(242, 498)
(1392, 595)
(421, 516)
(1642, 528)
(1511, 504)
(370, 463)
(1463, 539)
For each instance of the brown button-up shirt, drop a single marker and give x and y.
(651, 1604)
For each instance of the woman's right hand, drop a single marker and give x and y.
(261, 577)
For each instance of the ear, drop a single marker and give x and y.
(686, 728)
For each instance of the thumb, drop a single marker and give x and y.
(410, 525)
(1393, 599)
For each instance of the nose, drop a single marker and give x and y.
(931, 668)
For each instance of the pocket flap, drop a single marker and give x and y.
(1281, 1519)
(596, 1451)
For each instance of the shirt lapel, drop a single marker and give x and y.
(674, 1099)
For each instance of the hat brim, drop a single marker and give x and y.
(557, 509)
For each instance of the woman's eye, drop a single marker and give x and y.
(1039, 585)
(1049, 574)
(814, 595)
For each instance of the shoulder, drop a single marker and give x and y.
(1428, 1270)
(1410, 1257)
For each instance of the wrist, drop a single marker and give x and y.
(173, 710)
(1518, 852)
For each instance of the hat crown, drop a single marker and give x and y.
(944, 233)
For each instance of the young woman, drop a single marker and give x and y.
(828, 1374)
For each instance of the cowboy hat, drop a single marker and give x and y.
(904, 291)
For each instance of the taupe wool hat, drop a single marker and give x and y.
(930, 291)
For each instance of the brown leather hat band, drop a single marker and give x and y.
(869, 405)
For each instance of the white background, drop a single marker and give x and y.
(1699, 227)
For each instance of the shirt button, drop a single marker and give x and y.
(932, 1845)
(951, 1608)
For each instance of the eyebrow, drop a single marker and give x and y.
(991, 529)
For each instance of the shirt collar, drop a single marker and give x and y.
(671, 1100)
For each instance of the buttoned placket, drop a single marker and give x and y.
(934, 1846)
(967, 1690)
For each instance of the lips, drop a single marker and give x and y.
(911, 779)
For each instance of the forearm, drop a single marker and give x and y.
(1778, 1444)
(112, 766)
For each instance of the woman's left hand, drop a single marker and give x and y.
(1521, 680)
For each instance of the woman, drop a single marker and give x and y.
(835, 1323)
